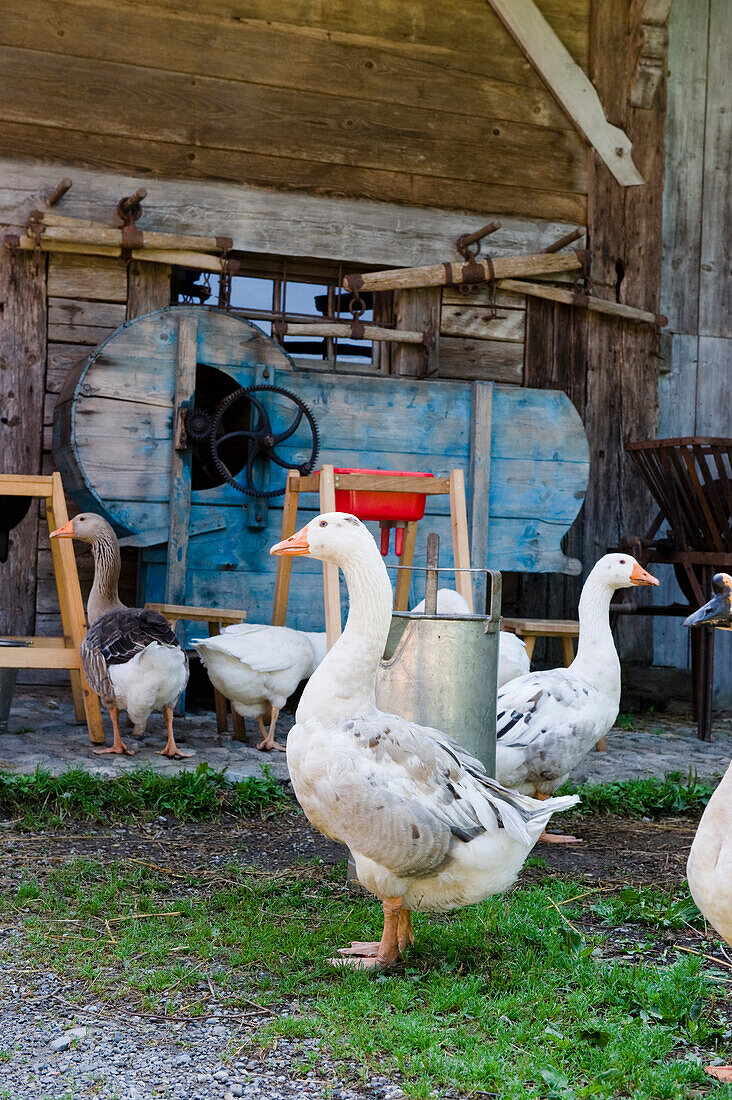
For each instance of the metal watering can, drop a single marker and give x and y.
(442, 670)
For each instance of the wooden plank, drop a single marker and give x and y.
(715, 282)
(569, 85)
(22, 366)
(107, 235)
(714, 386)
(479, 296)
(404, 576)
(677, 387)
(192, 614)
(418, 69)
(684, 168)
(284, 563)
(260, 221)
(246, 117)
(594, 304)
(476, 322)
(480, 482)
(331, 588)
(61, 358)
(65, 311)
(88, 278)
(148, 288)
(342, 329)
(487, 360)
(417, 309)
(180, 470)
(460, 540)
(503, 267)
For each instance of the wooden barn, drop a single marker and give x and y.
(286, 155)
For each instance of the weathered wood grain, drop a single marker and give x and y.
(22, 367)
(417, 309)
(489, 360)
(148, 288)
(261, 221)
(476, 322)
(715, 282)
(480, 485)
(684, 167)
(284, 55)
(86, 277)
(249, 117)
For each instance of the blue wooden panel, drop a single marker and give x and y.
(538, 459)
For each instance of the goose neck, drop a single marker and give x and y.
(596, 653)
(345, 682)
(104, 595)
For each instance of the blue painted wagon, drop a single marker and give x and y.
(136, 432)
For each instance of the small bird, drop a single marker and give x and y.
(130, 656)
(427, 828)
(718, 611)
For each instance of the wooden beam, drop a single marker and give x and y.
(439, 275)
(594, 304)
(284, 562)
(148, 288)
(331, 582)
(460, 541)
(481, 430)
(418, 309)
(569, 85)
(342, 330)
(106, 235)
(180, 475)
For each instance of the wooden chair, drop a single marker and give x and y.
(215, 617)
(325, 482)
(56, 652)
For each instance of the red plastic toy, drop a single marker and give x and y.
(390, 509)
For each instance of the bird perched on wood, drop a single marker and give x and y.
(427, 828)
(547, 721)
(131, 657)
(259, 667)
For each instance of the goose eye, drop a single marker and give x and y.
(623, 561)
(323, 523)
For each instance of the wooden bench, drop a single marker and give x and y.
(564, 629)
(216, 617)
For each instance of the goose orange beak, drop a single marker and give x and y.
(65, 532)
(296, 546)
(640, 576)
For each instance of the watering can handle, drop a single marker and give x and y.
(494, 607)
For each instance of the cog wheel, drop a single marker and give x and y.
(261, 439)
(198, 425)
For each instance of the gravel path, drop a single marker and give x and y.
(50, 1049)
(43, 731)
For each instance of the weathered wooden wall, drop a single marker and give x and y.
(430, 104)
(695, 387)
(609, 367)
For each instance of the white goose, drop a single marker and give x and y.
(427, 828)
(709, 869)
(131, 657)
(547, 721)
(513, 660)
(259, 667)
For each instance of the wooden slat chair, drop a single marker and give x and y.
(691, 481)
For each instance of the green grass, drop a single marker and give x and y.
(644, 797)
(505, 998)
(40, 799)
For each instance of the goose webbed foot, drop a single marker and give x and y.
(397, 935)
(118, 746)
(171, 750)
(722, 1073)
(268, 743)
(560, 838)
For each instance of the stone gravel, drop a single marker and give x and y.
(52, 1049)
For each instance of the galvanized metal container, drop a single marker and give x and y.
(441, 671)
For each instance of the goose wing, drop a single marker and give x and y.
(402, 794)
(263, 649)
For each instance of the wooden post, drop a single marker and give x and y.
(460, 541)
(404, 576)
(331, 584)
(180, 474)
(480, 479)
(148, 288)
(22, 373)
(220, 701)
(284, 563)
(417, 310)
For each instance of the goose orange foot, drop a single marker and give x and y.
(118, 746)
(268, 740)
(397, 935)
(559, 838)
(171, 750)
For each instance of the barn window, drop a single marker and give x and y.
(267, 290)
